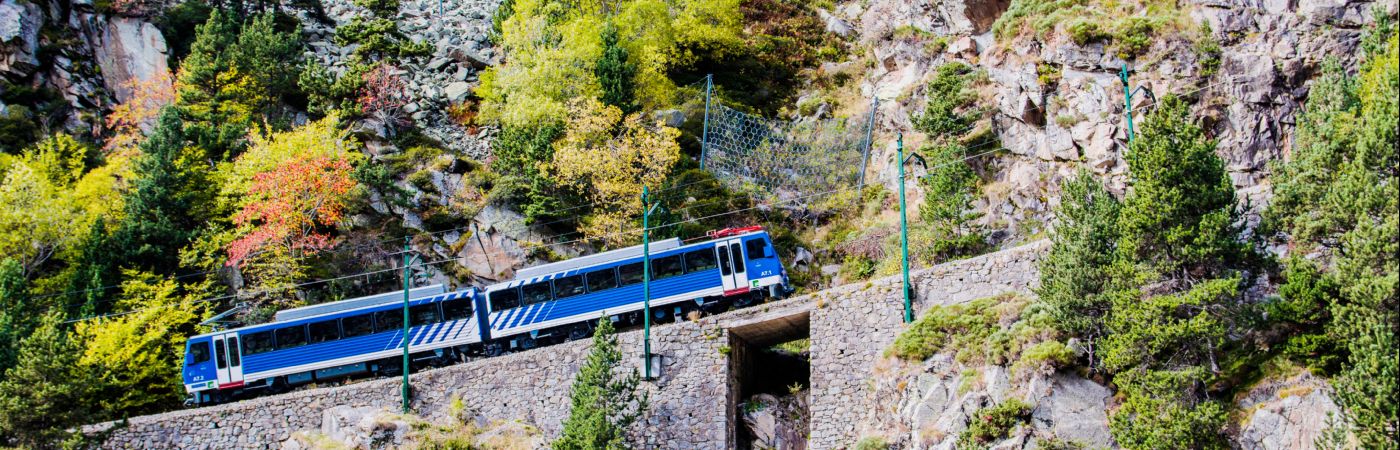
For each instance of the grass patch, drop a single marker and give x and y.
(1128, 28)
(993, 330)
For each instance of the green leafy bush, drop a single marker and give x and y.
(993, 423)
(872, 443)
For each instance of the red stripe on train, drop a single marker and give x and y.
(742, 290)
(231, 385)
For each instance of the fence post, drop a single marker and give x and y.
(865, 153)
(705, 132)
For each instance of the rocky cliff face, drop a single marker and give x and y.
(932, 403)
(1048, 126)
(92, 60)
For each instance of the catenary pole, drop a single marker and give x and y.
(705, 132)
(407, 260)
(903, 232)
(648, 205)
(1127, 100)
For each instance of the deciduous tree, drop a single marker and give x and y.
(636, 154)
(136, 358)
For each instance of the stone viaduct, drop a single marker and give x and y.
(693, 400)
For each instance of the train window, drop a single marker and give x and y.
(199, 352)
(737, 257)
(602, 280)
(724, 267)
(233, 356)
(324, 331)
(629, 274)
(423, 314)
(357, 325)
(757, 249)
(505, 299)
(703, 259)
(535, 293)
(390, 320)
(219, 353)
(568, 286)
(290, 337)
(254, 343)
(456, 309)
(666, 267)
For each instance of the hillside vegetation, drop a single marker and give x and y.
(274, 166)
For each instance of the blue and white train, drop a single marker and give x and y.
(542, 305)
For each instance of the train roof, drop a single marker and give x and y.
(357, 303)
(595, 259)
(635, 251)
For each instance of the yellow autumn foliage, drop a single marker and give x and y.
(136, 358)
(609, 158)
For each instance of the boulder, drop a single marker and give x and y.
(835, 25)
(471, 58)
(457, 91)
(1286, 413)
(19, 37)
(130, 51)
(1074, 410)
(491, 254)
(673, 118)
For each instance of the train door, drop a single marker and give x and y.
(228, 360)
(731, 266)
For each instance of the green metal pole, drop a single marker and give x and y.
(646, 282)
(904, 232)
(705, 132)
(1127, 100)
(406, 262)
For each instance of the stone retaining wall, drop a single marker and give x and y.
(691, 406)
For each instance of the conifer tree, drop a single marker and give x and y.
(603, 404)
(1074, 275)
(1179, 218)
(158, 220)
(44, 395)
(615, 73)
(1338, 197)
(16, 317)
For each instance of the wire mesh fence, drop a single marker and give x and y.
(786, 161)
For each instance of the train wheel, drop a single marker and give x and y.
(494, 349)
(579, 332)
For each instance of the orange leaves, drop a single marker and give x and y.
(131, 120)
(292, 204)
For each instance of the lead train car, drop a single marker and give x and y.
(544, 304)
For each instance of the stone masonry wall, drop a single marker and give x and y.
(852, 325)
(690, 403)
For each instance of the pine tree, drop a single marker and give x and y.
(1338, 196)
(603, 405)
(46, 393)
(616, 73)
(1074, 275)
(1179, 218)
(158, 220)
(16, 315)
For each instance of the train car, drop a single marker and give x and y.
(330, 341)
(544, 304)
(563, 300)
